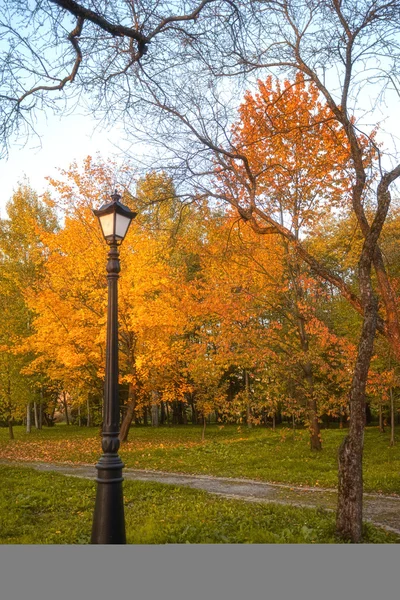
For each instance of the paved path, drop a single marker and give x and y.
(381, 510)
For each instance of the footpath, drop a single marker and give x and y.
(379, 509)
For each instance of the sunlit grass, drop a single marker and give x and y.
(48, 508)
(259, 453)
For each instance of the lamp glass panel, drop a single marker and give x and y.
(107, 224)
(121, 226)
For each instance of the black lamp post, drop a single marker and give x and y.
(109, 520)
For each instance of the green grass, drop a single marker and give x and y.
(231, 451)
(48, 508)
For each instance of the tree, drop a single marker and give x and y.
(21, 266)
(333, 44)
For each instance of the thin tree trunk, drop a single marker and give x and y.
(247, 389)
(66, 407)
(381, 425)
(167, 408)
(293, 422)
(130, 411)
(88, 412)
(28, 417)
(79, 416)
(41, 408)
(273, 422)
(154, 408)
(391, 417)
(194, 411)
(10, 428)
(203, 431)
(162, 413)
(35, 415)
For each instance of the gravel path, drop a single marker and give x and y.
(381, 510)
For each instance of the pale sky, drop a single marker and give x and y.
(68, 138)
(63, 140)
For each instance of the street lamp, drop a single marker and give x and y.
(109, 521)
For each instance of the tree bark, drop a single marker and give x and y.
(391, 417)
(28, 418)
(10, 428)
(88, 412)
(350, 485)
(381, 425)
(35, 415)
(203, 431)
(130, 411)
(247, 390)
(65, 407)
(154, 409)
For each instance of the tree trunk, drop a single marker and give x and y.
(273, 422)
(88, 412)
(247, 389)
(130, 411)
(203, 431)
(28, 417)
(154, 408)
(391, 417)
(194, 411)
(10, 428)
(66, 407)
(79, 416)
(163, 415)
(35, 415)
(350, 485)
(381, 425)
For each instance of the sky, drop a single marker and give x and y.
(63, 140)
(67, 138)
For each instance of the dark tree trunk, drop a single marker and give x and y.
(247, 391)
(88, 412)
(194, 411)
(130, 411)
(381, 425)
(203, 431)
(154, 409)
(144, 415)
(10, 429)
(391, 417)
(28, 417)
(66, 407)
(184, 415)
(350, 486)
(35, 415)
(163, 415)
(40, 424)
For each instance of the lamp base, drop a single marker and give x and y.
(109, 521)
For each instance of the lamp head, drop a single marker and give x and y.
(114, 218)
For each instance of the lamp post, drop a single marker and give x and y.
(109, 521)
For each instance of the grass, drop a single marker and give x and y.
(259, 453)
(48, 508)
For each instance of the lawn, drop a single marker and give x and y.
(48, 508)
(259, 453)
